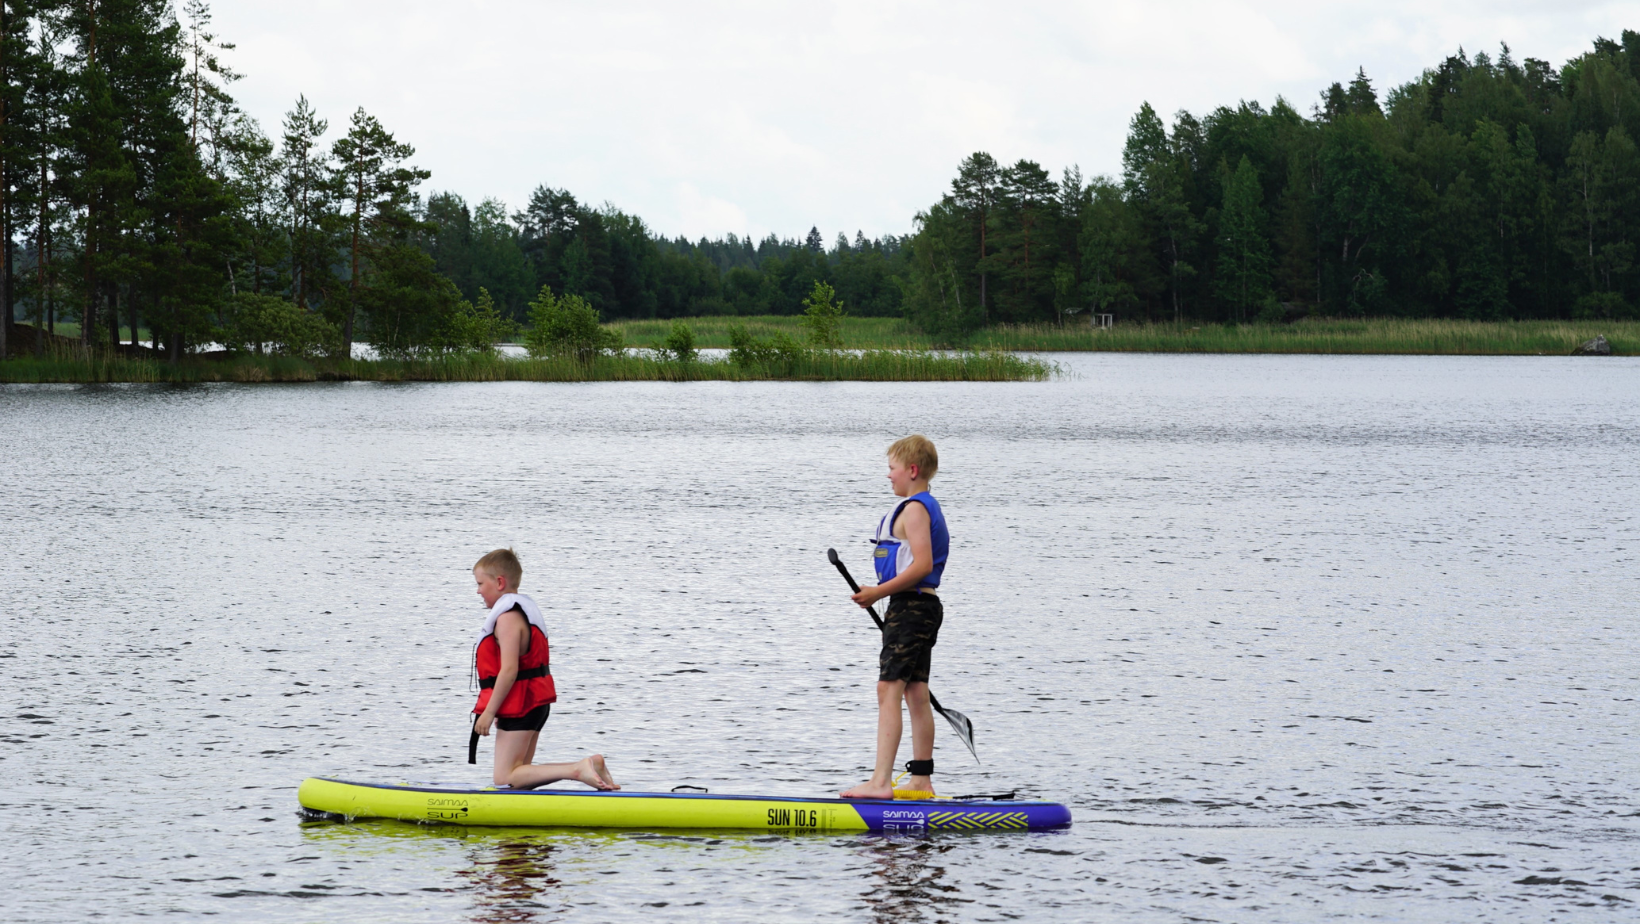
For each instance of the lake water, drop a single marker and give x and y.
(1296, 638)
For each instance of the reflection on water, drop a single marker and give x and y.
(909, 885)
(511, 881)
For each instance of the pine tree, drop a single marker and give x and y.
(307, 202)
(1243, 277)
(20, 73)
(1027, 219)
(1155, 170)
(975, 192)
(253, 177)
(205, 77)
(370, 176)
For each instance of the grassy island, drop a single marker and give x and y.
(874, 365)
(872, 349)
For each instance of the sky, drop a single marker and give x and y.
(712, 117)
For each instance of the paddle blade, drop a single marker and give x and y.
(832, 554)
(963, 728)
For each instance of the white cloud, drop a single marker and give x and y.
(701, 211)
(848, 115)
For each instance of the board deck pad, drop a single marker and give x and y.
(562, 808)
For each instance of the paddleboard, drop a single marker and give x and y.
(563, 808)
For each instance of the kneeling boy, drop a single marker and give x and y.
(912, 543)
(515, 676)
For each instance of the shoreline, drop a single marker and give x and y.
(871, 366)
(875, 349)
(1386, 336)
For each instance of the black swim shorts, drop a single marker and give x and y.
(910, 629)
(529, 721)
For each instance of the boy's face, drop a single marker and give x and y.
(490, 586)
(901, 476)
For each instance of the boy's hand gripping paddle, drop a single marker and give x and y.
(959, 722)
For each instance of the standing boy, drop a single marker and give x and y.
(912, 543)
(515, 679)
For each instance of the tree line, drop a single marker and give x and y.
(623, 269)
(136, 195)
(1487, 189)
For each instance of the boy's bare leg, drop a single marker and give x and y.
(514, 750)
(922, 732)
(889, 729)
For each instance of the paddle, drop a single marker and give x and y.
(959, 722)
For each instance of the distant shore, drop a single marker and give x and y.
(876, 349)
(1438, 337)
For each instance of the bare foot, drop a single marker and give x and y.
(586, 773)
(602, 770)
(869, 790)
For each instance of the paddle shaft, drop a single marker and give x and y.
(959, 722)
(843, 569)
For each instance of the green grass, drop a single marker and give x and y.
(1310, 335)
(1327, 335)
(877, 366)
(713, 332)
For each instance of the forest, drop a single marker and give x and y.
(136, 197)
(1487, 189)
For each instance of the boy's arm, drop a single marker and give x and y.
(918, 534)
(509, 632)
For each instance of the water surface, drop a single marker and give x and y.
(1296, 638)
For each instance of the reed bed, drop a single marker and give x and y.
(1327, 335)
(870, 366)
(713, 332)
(1433, 336)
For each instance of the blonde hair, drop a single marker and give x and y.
(502, 563)
(917, 450)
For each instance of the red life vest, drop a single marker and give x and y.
(533, 686)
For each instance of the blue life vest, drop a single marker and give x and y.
(893, 554)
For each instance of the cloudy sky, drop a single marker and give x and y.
(712, 117)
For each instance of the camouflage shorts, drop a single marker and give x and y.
(910, 629)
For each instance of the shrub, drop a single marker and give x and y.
(778, 352)
(568, 326)
(409, 308)
(262, 322)
(679, 345)
(470, 328)
(823, 318)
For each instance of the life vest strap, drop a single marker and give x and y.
(545, 670)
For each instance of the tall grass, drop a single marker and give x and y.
(713, 332)
(1311, 335)
(1327, 335)
(880, 366)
